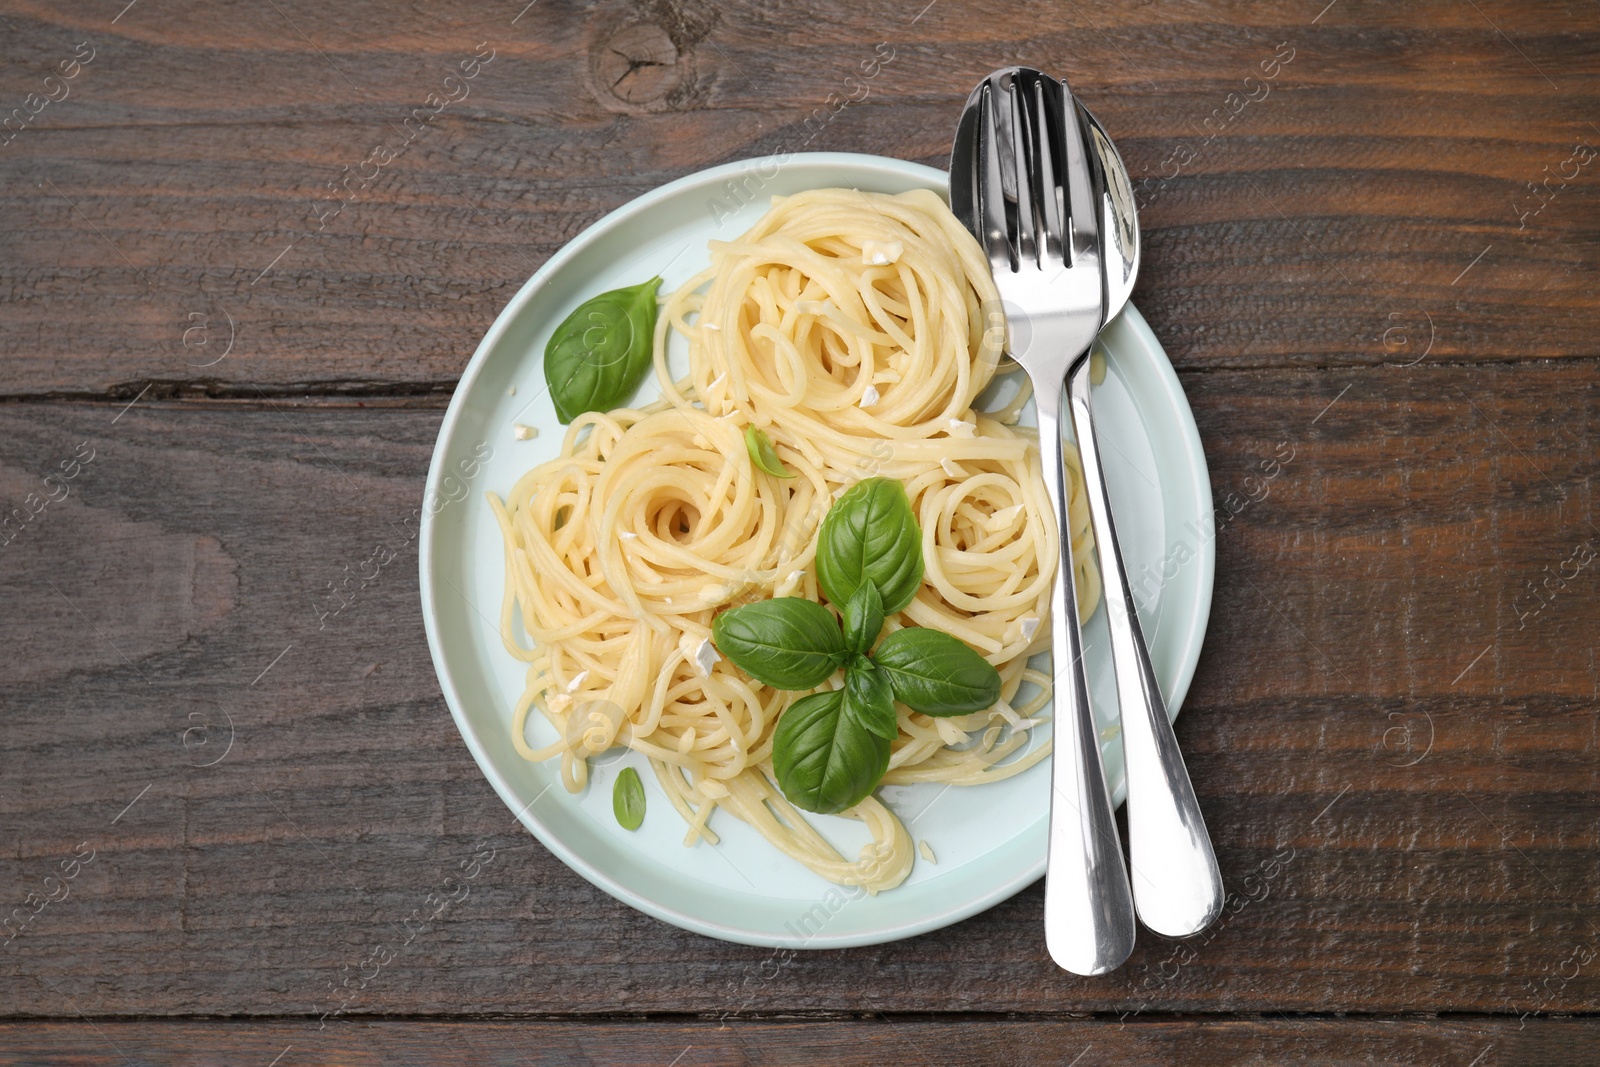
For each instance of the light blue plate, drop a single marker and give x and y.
(989, 840)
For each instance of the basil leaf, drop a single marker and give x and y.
(870, 534)
(869, 699)
(790, 642)
(863, 618)
(936, 674)
(599, 353)
(824, 760)
(763, 455)
(627, 799)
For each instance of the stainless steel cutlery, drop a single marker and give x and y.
(1038, 182)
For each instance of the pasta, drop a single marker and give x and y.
(853, 328)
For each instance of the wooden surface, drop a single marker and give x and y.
(1394, 739)
(857, 1043)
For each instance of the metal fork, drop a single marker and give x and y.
(1021, 178)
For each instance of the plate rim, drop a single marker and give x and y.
(1188, 656)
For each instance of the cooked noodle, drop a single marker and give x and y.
(851, 327)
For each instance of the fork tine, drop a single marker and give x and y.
(1051, 209)
(1080, 194)
(1000, 102)
(990, 187)
(1022, 151)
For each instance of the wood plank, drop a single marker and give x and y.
(1473, 1040)
(1339, 218)
(1395, 753)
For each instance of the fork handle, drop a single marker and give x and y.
(1176, 884)
(1088, 906)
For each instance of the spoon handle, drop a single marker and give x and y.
(1088, 908)
(1177, 887)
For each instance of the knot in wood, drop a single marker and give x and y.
(642, 57)
(638, 64)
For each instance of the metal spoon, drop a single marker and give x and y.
(1177, 888)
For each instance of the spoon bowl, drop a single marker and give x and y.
(1119, 221)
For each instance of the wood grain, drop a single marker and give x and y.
(1316, 1042)
(1370, 250)
(182, 180)
(1400, 778)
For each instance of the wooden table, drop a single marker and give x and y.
(1371, 240)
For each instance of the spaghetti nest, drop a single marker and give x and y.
(856, 330)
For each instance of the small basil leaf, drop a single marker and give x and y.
(870, 534)
(936, 674)
(627, 799)
(869, 699)
(823, 759)
(599, 353)
(763, 455)
(863, 618)
(790, 642)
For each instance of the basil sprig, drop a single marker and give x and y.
(832, 748)
(599, 353)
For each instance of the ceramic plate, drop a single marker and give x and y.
(989, 840)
